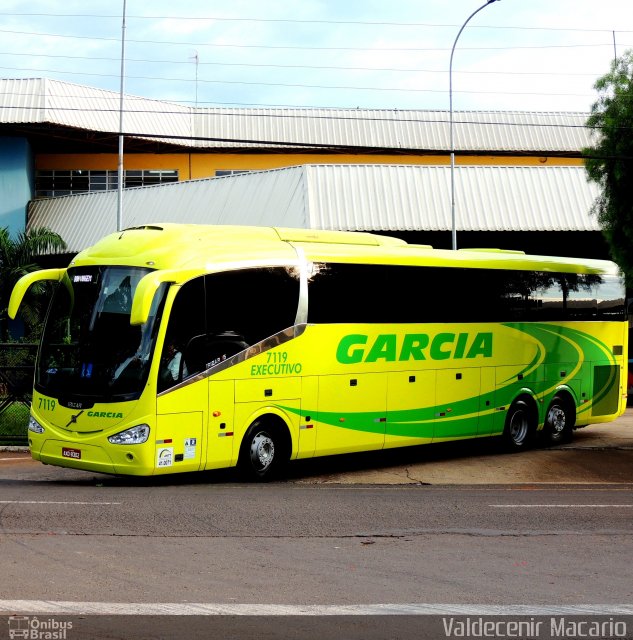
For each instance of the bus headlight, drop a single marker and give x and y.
(135, 435)
(35, 426)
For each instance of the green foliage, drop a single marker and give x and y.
(16, 364)
(17, 258)
(609, 162)
(13, 425)
(18, 354)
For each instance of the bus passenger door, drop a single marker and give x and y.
(220, 429)
(181, 408)
(179, 436)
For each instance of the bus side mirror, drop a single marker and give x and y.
(23, 284)
(145, 292)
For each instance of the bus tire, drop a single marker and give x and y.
(520, 426)
(262, 453)
(559, 421)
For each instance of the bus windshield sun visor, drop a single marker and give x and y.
(23, 284)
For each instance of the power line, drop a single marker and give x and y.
(131, 98)
(316, 48)
(299, 66)
(356, 148)
(297, 85)
(236, 51)
(329, 117)
(305, 21)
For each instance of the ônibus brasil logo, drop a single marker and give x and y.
(34, 628)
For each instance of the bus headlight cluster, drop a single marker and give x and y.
(35, 426)
(135, 435)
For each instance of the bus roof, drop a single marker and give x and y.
(205, 248)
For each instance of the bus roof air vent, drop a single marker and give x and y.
(512, 251)
(145, 227)
(337, 237)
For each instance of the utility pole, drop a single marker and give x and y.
(119, 208)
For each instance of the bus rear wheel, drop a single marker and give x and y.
(520, 426)
(262, 452)
(559, 421)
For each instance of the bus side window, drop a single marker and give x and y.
(248, 305)
(187, 324)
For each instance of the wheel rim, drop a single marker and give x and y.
(262, 451)
(556, 419)
(519, 427)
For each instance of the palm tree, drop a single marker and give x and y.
(17, 258)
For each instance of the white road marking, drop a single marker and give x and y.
(562, 506)
(28, 607)
(53, 502)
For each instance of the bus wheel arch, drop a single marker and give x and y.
(265, 448)
(521, 423)
(560, 418)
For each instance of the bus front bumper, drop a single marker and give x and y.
(76, 455)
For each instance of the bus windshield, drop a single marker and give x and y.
(89, 350)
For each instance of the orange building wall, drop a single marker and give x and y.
(204, 165)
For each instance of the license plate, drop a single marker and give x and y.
(75, 454)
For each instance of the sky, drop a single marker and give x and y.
(527, 55)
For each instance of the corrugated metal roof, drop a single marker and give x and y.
(424, 130)
(38, 100)
(488, 198)
(22, 101)
(96, 109)
(345, 197)
(247, 198)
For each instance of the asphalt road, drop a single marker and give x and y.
(554, 530)
(282, 543)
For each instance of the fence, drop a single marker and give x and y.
(17, 361)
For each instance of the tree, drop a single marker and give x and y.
(609, 162)
(17, 258)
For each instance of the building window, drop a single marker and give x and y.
(63, 183)
(230, 172)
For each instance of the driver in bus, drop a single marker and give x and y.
(170, 363)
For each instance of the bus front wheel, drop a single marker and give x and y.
(520, 426)
(262, 452)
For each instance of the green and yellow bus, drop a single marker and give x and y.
(170, 348)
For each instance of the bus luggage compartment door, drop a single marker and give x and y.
(352, 412)
(457, 403)
(410, 408)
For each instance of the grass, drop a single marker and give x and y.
(13, 425)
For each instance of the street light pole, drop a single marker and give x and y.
(452, 138)
(119, 208)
